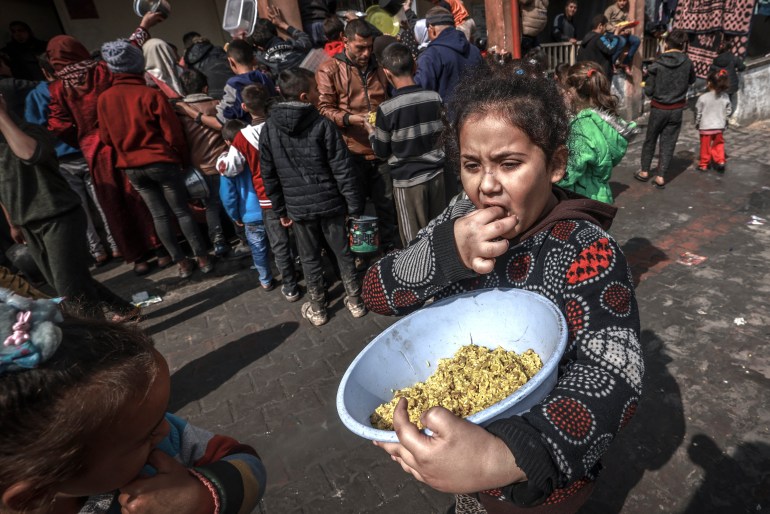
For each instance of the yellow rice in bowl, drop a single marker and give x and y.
(474, 379)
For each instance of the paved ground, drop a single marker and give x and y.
(246, 364)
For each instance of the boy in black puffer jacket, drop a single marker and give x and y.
(308, 176)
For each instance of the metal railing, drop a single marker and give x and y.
(558, 53)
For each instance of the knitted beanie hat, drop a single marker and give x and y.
(123, 57)
(439, 16)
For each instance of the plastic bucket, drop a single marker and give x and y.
(408, 352)
(364, 234)
(142, 7)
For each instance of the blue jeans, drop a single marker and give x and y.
(257, 238)
(633, 43)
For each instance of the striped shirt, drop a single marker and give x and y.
(406, 133)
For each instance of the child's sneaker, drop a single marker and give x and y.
(291, 294)
(719, 167)
(356, 309)
(316, 318)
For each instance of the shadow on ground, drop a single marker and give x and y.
(198, 378)
(642, 255)
(199, 303)
(732, 483)
(652, 437)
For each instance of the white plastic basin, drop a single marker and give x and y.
(408, 352)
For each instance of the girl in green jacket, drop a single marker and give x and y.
(598, 136)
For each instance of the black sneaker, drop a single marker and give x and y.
(291, 294)
(268, 287)
(221, 249)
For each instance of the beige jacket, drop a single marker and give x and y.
(534, 16)
(614, 16)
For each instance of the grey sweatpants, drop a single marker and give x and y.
(417, 205)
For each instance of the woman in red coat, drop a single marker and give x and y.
(73, 118)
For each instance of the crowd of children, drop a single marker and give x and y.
(290, 161)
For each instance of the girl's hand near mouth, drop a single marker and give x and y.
(479, 237)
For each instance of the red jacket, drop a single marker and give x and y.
(247, 142)
(140, 124)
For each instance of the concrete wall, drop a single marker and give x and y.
(753, 100)
(117, 19)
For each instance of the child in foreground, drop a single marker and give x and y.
(516, 229)
(598, 136)
(85, 428)
(712, 110)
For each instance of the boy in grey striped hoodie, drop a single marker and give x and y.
(405, 132)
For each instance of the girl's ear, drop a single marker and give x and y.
(24, 497)
(559, 164)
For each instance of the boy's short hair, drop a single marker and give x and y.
(241, 52)
(188, 39)
(255, 97)
(597, 20)
(292, 83)
(570, 2)
(193, 81)
(397, 59)
(358, 28)
(333, 27)
(264, 31)
(231, 128)
(44, 63)
(677, 39)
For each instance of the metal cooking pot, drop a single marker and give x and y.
(195, 181)
(142, 7)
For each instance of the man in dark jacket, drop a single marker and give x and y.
(275, 53)
(210, 60)
(563, 30)
(667, 82)
(309, 177)
(448, 55)
(598, 46)
(352, 85)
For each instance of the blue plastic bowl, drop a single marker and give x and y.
(408, 352)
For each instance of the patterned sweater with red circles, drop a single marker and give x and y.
(571, 260)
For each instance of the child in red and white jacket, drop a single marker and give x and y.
(244, 152)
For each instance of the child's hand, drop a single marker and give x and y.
(151, 18)
(478, 237)
(369, 128)
(286, 222)
(459, 457)
(172, 490)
